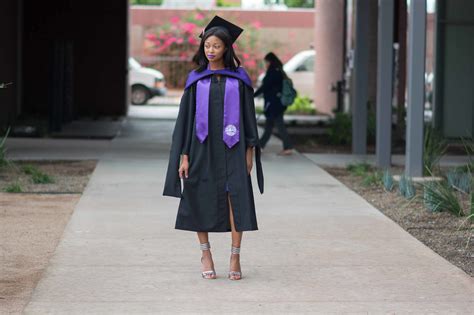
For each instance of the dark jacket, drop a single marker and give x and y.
(271, 88)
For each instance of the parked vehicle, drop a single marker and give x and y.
(145, 82)
(300, 68)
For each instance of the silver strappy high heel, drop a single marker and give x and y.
(235, 275)
(208, 274)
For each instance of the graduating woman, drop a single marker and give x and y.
(213, 144)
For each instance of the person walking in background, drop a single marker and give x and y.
(273, 108)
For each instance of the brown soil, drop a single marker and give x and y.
(67, 176)
(321, 144)
(31, 225)
(450, 236)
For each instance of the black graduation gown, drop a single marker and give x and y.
(213, 167)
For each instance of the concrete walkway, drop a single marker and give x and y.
(321, 248)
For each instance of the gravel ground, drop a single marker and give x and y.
(67, 176)
(32, 223)
(437, 230)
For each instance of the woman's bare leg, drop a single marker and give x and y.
(203, 237)
(236, 241)
(207, 262)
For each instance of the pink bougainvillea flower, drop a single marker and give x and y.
(150, 36)
(170, 41)
(179, 40)
(234, 46)
(192, 41)
(189, 27)
(257, 24)
(245, 55)
(250, 63)
(199, 16)
(175, 19)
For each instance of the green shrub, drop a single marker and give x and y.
(37, 176)
(430, 199)
(434, 148)
(373, 178)
(301, 106)
(387, 180)
(222, 3)
(13, 188)
(29, 169)
(358, 169)
(438, 196)
(452, 177)
(465, 183)
(459, 180)
(340, 129)
(3, 150)
(466, 168)
(300, 3)
(41, 178)
(363, 170)
(406, 188)
(469, 149)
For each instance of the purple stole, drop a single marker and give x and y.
(231, 117)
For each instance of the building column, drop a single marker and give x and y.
(384, 83)
(329, 46)
(360, 92)
(9, 61)
(416, 88)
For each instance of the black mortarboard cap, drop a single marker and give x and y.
(233, 29)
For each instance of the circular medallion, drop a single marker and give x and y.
(230, 130)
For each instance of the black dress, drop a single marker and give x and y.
(214, 169)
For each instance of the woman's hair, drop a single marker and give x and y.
(230, 58)
(274, 61)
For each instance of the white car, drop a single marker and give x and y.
(145, 82)
(300, 68)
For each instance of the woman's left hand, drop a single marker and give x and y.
(249, 157)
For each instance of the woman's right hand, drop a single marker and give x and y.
(184, 167)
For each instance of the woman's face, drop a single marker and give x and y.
(214, 48)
